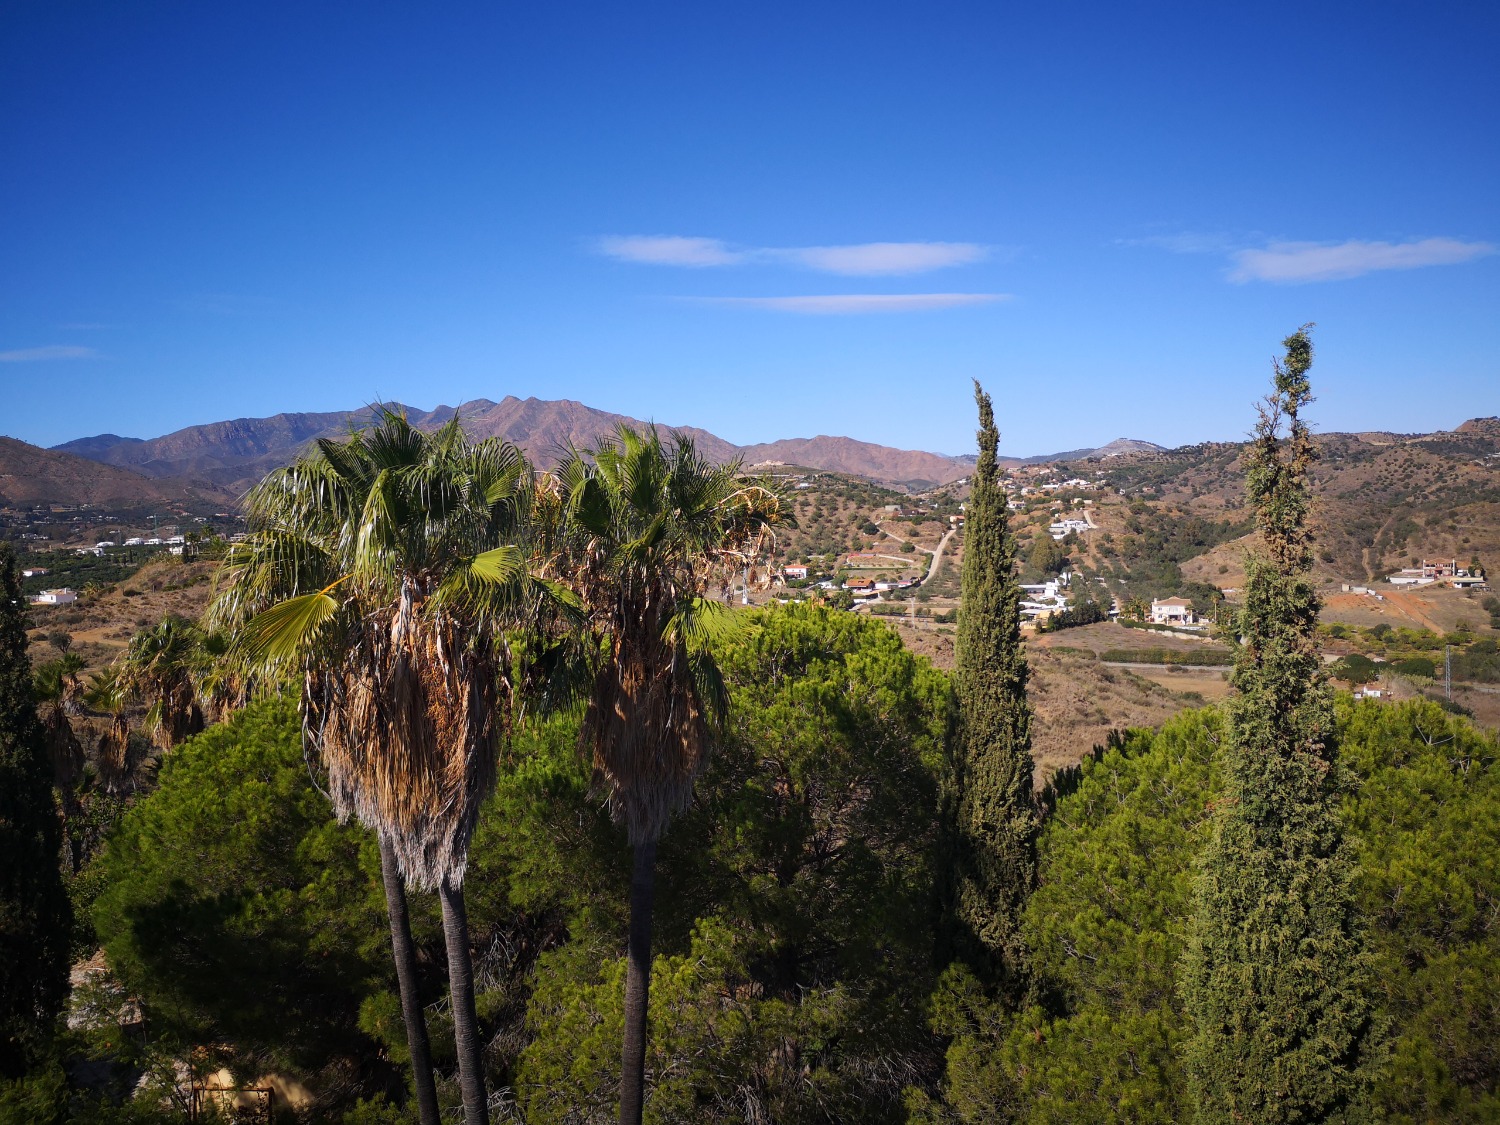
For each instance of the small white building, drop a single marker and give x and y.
(153, 541)
(794, 571)
(1411, 577)
(1173, 611)
(135, 541)
(55, 597)
(34, 572)
(1061, 528)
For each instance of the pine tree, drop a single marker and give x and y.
(995, 816)
(1276, 977)
(35, 918)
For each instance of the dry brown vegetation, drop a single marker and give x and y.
(1078, 700)
(102, 624)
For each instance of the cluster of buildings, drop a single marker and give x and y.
(1439, 571)
(1065, 527)
(865, 589)
(1040, 600)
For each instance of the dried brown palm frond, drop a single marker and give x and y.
(642, 530)
(383, 567)
(408, 725)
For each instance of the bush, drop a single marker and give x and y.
(1205, 658)
(1415, 666)
(1354, 669)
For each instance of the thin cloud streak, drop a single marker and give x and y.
(871, 259)
(51, 351)
(844, 304)
(865, 259)
(1294, 263)
(668, 250)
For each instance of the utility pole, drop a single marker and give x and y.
(1448, 671)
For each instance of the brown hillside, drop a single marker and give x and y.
(878, 462)
(1383, 500)
(32, 476)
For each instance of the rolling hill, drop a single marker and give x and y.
(1384, 500)
(31, 476)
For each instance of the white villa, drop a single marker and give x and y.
(55, 597)
(1173, 611)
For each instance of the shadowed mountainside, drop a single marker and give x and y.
(32, 476)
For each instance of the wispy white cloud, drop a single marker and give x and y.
(839, 304)
(51, 351)
(870, 259)
(669, 250)
(1294, 262)
(865, 259)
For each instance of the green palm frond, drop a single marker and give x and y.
(700, 624)
(288, 629)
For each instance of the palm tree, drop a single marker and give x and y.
(109, 694)
(54, 686)
(646, 528)
(384, 569)
(161, 668)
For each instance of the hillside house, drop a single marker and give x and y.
(794, 571)
(1062, 528)
(34, 572)
(1173, 611)
(64, 596)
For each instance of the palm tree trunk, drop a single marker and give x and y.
(406, 980)
(637, 984)
(461, 989)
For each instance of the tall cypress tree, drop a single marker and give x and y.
(995, 819)
(1275, 977)
(35, 917)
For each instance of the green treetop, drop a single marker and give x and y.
(1275, 975)
(996, 821)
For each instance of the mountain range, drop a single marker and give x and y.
(232, 455)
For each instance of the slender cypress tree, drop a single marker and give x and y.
(995, 816)
(35, 917)
(1275, 977)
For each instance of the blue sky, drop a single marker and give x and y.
(769, 220)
